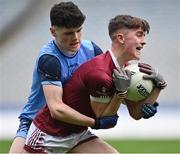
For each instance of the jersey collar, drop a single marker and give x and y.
(120, 68)
(114, 59)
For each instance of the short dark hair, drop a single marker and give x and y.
(66, 14)
(127, 22)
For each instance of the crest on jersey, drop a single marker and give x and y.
(103, 92)
(104, 89)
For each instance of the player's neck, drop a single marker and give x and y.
(119, 57)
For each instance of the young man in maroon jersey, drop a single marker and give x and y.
(97, 89)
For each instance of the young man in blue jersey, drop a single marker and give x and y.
(64, 54)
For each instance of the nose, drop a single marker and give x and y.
(75, 36)
(143, 42)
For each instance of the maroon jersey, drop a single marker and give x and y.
(92, 79)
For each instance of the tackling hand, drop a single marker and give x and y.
(152, 75)
(121, 80)
(105, 122)
(149, 110)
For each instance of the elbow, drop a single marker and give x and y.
(53, 114)
(56, 113)
(135, 116)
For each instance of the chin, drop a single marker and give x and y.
(74, 49)
(138, 56)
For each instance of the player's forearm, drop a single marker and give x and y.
(62, 112)
(67, 114)
(135, 108)
(153, 96)
(113, 106)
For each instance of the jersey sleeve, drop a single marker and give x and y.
(100, 86)
(49, 70)
(97, 49)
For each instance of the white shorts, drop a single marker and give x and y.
(40, 142)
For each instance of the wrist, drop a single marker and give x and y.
(95, 124)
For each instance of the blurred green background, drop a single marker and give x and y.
(129, 146)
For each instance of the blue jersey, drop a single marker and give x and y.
(68, 64)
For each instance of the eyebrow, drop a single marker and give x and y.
(71, 32)
(141, 32)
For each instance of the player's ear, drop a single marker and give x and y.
(120, 37)
(53, 31)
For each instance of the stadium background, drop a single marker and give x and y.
(24, 29)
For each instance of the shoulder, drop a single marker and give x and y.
(48, 60)
(87, 44)
(49, 65)
(47, 48)
(92, 46)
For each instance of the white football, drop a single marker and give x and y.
(139, 88)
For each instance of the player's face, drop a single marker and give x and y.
(68, 39)
(134, 41)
